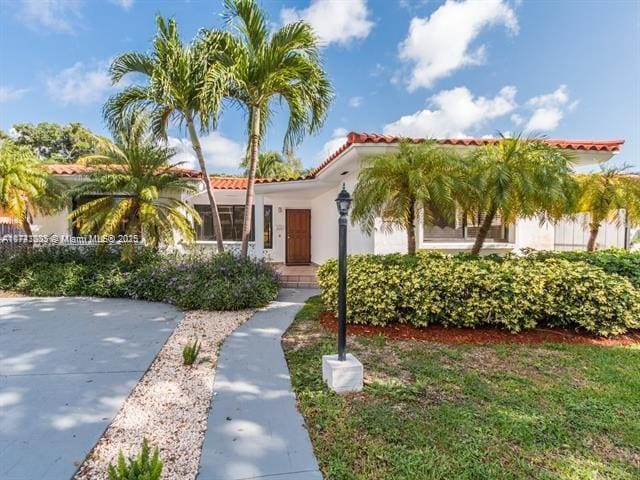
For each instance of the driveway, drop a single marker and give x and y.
(66, 366)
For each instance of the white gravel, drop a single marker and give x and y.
(169, 406)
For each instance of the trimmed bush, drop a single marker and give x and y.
(613, 260)
(194, 281)
(462, 291)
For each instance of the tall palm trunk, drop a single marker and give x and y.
(195, 142)
(26, 226)
(594, 228)
(411, 230)
(254, 146)
(483, 231)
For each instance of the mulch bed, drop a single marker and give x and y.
(481, 335)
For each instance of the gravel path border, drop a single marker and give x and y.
(169, 406)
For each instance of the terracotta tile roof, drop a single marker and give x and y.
(228, 183)
(219, 183)
(608, 145)
(240, 183)
(360, 138)
(79, 169)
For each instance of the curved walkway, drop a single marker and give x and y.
(255, 430)
(66, 366)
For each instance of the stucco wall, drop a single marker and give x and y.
(389, 241)
(530, 234)
(56, 224)
(574, 234)
(324, 226)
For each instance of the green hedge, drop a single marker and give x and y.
(512, 293)
(195, 281)
(613, 260)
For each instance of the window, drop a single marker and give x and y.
(462, 228)
(231, 219)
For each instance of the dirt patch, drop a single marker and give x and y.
(10, 294)
(482, 335)
(301, 335)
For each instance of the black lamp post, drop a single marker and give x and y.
(343, 202)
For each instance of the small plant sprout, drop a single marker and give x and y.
(190, 352)
(141, 467)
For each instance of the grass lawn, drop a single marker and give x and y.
(503, 411)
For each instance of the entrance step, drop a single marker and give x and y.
(298, 281)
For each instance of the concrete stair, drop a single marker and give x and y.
(297, 276)
(298, 281)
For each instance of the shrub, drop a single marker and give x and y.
(511, 293)
(211, 282)
(141, 467)
(190, 352)
(193, 281)
(613, 260)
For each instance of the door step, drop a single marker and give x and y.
(298, 281)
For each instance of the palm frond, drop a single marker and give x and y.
(131, 62)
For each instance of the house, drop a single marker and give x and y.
(298, 217)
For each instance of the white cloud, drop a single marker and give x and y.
(441, 44)
(338, 139)
(453, 113)
(412, 5)
(126, 4)
(56, 15)
(8, 94)
(334, 21)
(79, 85)
(558, 97)
(544, 119)
(517, 119)
(355, 102)
(219, 152)
(549, 109)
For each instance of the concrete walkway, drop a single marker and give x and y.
(255, 430)
(66, 366)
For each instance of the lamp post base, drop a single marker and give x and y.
(342, 376)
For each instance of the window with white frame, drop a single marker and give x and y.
(231, 220)
(462, 228)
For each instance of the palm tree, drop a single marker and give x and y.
(259, 67)
(609, 195)
(396, 186)
(517, 177)
(175, 74)
(127, 179)
(272, 165)
(26, 187)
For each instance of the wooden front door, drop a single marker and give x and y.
(298, 245)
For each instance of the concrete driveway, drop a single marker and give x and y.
(66, 365)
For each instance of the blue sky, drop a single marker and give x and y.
(566, 69)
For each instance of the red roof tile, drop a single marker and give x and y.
(219, 183)
(360, 138)
(79, 169)
(240, 183)
(228, 183)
